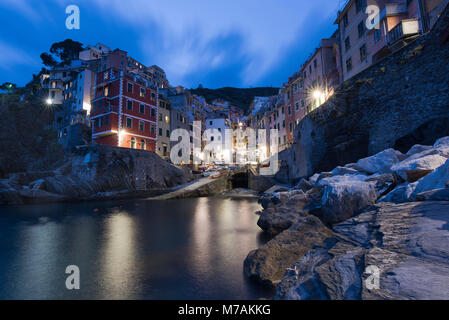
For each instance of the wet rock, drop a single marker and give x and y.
(414, 169)
(341, 201)
(10, 196)
(380, 163)
(268, 264)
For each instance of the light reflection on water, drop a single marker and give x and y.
(177, 249)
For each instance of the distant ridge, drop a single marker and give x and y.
(239, 97)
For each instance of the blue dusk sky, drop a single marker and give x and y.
(216, 43)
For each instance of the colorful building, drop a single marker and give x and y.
(124, 111)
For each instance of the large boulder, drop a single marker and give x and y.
(402, 193)
(406, 243)
(414, 169)
(438, 179)
(434, 195)
(276, 219)
(268, 264)
(417, 148)
(343, 200)
(442, 142)
(379, 163)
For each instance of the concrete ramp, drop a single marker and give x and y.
(202, 187)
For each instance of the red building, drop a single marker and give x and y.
(124, 111)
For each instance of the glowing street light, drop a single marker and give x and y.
(49, 101)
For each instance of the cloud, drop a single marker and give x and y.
(182, 35)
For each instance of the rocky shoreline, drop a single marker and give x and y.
(389, 212)
(95, 173)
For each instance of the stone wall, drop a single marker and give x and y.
(400, 101)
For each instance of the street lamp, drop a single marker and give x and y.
(49, 101)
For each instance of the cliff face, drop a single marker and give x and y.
(401, 101)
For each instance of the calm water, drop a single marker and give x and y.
(177, 249)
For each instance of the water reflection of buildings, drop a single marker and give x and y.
(119, 257)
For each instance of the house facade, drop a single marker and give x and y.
(124, 111)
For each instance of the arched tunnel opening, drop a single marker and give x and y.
(239, 180)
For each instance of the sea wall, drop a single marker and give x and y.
(401, 101)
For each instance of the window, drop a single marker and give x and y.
(152, 130)
(210, 123)
(361, 29)
(106, 91)
(167, 119)
(347, 44)
(314, 63)
(283, 123)
(303, 103)
(142, 144)
(296, 106)
(153, 112)
(290, 126)
(363, 53)
(345, 20)
(142, 108)
(360, 4)
(160, 132)
(160, 116)
(129, 105)
(133, 143)
(129, 123)
(141, 126)
(105, 76)
(289, 110)
(167, 133)
(376, 35)
(130, 87)
(142, 92)
(106, 120)
(349, 65)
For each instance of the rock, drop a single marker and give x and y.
(40, 196)
(384, 183)
(37, 185)
(341, 201)
(434, 195)
(313, 179)
(304, 185)
(332, 270)
(406, 242)
(380, 163)
(417, 148)
(442, 142)
(324, 175)
(341, 179)
(264, 201)
(400, 194)
(268, 264)
(414, 169)
(340, 171)
(434, 180)
(10, 196)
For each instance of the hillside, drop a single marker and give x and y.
(239, 97)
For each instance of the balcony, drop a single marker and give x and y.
(404, 29)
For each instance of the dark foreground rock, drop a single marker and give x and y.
(269, 263)
(407, 243)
